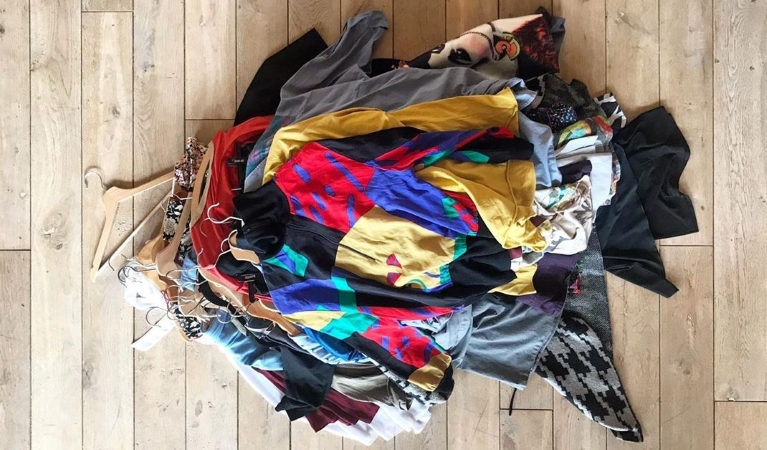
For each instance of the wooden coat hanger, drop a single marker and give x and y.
(111, 198)
(257, 309)
(198, 193)
(241, 254)
(166, 258)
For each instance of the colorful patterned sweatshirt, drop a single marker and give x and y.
(352, 240)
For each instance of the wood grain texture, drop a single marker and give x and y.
(380, 444)
(686, 86)
(56, 233)
(158, 128)
(473, 413)
(260, 426)
(211, 59)
(632, 54)
(261, 32)
(107, 5)
(740, 214)
(324, 15)
(574, 431)
(14, 124)
(418, 27)
(687, 351)
(741, 426)
(350, 8)
(463, 15)
(537, 395)
(15, 286)
(527, 430)
(433, 437)
(107, 144)
(515, 8)
(211, 398)
(634, 312)
(583, 55)
(633, 75)
(204, 130)
(302, 437)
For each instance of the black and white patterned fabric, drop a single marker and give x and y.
(189, 325)
(172, 216)
(615, 116)
(577, 365)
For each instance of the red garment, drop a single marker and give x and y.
(336, 408)
(208, 235)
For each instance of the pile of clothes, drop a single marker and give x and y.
(369, 226)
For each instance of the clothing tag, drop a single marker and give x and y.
(236, 160)
(246, 277)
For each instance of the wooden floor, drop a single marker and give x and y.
(118, 84)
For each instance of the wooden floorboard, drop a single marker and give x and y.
(462, 15)
(15, 122)
(473, 413)
(740, 203)
(15, 357)
(107, 5)
(687, 351)
(537, 395)
(574, 431)
(56, 232)
(210, 30)
(741, 426)
(418, 27)
(108, 148)
(323, 15)
(262, 30)
(118, 84)
(302, 437)
(527, 430)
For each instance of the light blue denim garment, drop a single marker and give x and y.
(242, 347)
(189, 271)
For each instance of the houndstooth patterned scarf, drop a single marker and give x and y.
(577, 365)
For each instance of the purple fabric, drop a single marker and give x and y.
(551, 281)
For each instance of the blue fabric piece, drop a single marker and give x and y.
(189, 271)
(306, 295)
(402, 194)
(319, 351)
(546, 171)
(336, 347)
(224, 333)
